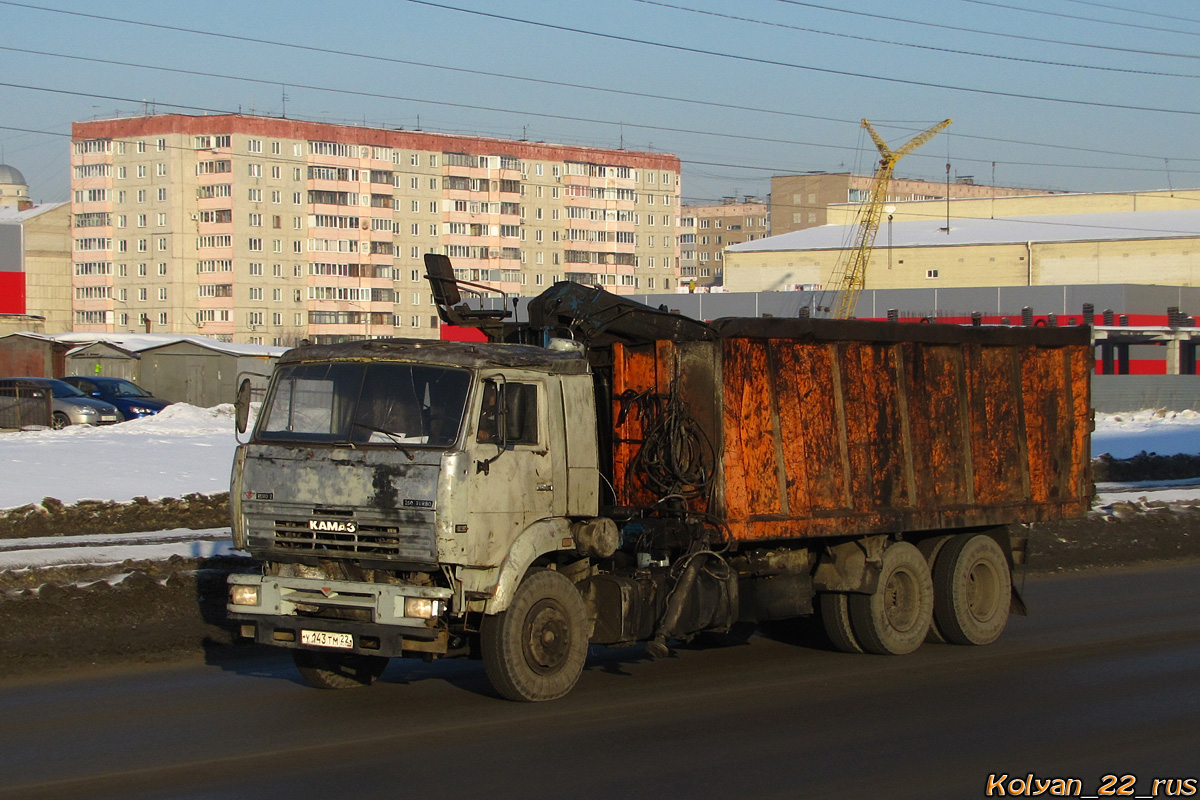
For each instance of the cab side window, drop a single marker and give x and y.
(520, 414)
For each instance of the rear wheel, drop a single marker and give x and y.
(338, 670)
(835, 618)
(930, 548)
(972, 589)
(536, 649)
(895, 618)
(59, 420)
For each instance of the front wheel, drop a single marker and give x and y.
(338, 670)
(59, 421)
(536, 649)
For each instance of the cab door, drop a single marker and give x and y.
(518, 469)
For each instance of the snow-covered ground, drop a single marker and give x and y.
(181, 450)
(1162, 432)
(186, 449)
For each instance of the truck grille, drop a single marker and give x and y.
(386, 541)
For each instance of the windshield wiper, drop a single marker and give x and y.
(391, 435)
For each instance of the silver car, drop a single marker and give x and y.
(69, 406)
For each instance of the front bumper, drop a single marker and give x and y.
(369, 639)
(372, 614)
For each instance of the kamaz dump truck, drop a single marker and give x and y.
(607, 473)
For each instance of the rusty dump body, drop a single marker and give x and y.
(820, 428)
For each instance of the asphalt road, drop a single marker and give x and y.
(1102, 679)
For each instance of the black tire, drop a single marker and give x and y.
(338, 670)
(535, 650)
(59, 420)
(930, 548)
(835, 618)
(972, 590)
(895, 619)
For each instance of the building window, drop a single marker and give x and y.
(931, 273)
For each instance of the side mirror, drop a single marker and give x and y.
(243, 405)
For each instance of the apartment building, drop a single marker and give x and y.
(706, 230)
(269, 231)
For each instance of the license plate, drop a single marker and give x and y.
(343, 641)
(107, 418)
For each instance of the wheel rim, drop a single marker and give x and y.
(546, 639)
(902, 602)
(59, 421)
(982, 591)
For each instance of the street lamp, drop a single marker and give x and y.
(889, 210)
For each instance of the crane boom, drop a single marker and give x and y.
(851, 277)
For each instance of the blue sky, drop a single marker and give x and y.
(1085, 95)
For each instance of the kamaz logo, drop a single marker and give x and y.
(332, 525)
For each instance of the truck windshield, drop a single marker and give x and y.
(375, 404)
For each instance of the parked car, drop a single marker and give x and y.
(68, 405)
(130, 399)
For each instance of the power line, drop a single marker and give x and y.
(1133, 10)
(982, 32)
(1061, 15)
(424, 65)
(804, 67)
(688, 131)
(369, 57)
(911, 45)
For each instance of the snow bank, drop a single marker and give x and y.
(183, 449)
(1155, 431)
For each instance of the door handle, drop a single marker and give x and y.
(545, 487)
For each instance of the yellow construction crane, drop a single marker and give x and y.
(851, 274)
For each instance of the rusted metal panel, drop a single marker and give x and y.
(997, 437)
(935, 411)
(633, 374)
(1047, 422)
(1080, 486)
(876, 428)
(812, 430)
(841, 429)
(751, 473)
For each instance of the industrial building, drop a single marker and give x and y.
(812, 199)
(1152, 247)
(270, 231)
(35, 258)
